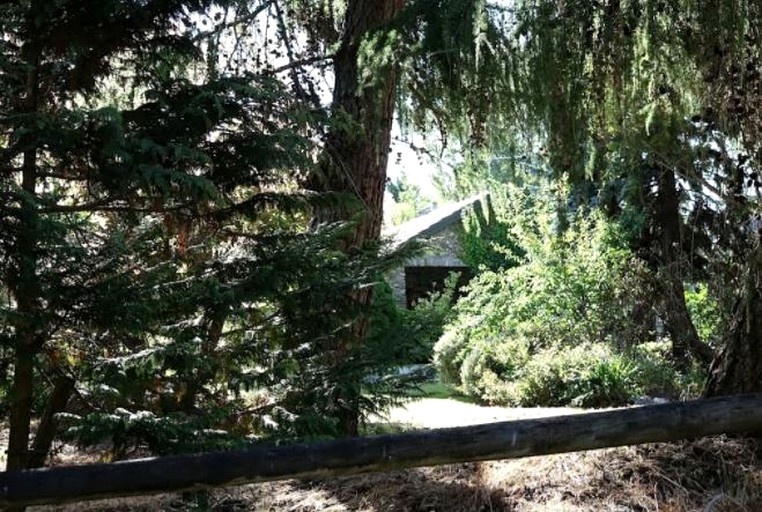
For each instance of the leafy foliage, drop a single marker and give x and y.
(645, 110)
(583, 376)
(705, 313)
(160, 251)
(408, 200)
(555, 330)
(643, 104)
(486, 239)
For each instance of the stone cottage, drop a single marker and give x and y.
(424, 274)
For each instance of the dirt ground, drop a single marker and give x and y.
(712, 475)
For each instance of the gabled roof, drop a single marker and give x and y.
(431, 223)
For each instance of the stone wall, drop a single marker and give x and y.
(443, 251)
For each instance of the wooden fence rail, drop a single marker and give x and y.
(504, 440)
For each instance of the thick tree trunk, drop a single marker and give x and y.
(358, 154)
(685, 338)
(738, 366)
(25, 289)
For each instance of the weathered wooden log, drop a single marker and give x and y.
(504, 440)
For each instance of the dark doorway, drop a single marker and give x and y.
(420, 281)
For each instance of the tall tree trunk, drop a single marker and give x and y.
(738, 367)
(685, 338)
(358, 155)
(25, 287)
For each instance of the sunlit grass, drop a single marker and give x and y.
(438, 389)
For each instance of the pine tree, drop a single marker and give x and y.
(52, 54)
(159, 258)
(150, 221)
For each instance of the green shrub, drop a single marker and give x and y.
(427, 319)
(657, 375)
(705, 313)
(567, 292)
(588, 375)
(501, 361)
(583, 376)
(474, 364)
(486, 241)
(449, 353)
(564, 295)
(608, 382)
(562, 328)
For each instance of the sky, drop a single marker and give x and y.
(419, 169)
(403, 160)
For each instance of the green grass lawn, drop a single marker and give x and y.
(438, 389)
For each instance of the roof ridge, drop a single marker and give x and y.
(431, 222)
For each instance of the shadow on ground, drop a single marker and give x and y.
(444, 489)
(720, 474)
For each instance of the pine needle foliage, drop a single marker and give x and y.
(158, 260)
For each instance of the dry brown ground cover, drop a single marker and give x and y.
(718, 475)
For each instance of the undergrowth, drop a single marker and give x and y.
(573, 325)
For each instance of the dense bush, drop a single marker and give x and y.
(656, 374)
(705, 313)
(566, 293)
(416, 329)
(560, 329)
(486, 240)
(583, 376)
(587, 375)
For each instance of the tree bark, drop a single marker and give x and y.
(63, 388)
(738, 366)
(21, 410)
(25, 287)
(358, 154)
(685, 338)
